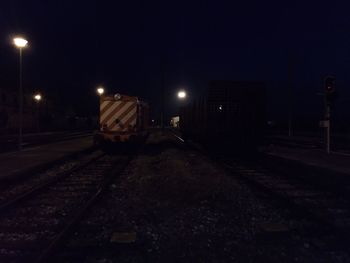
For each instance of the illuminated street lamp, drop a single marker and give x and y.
(181, 94)
(100, 90)
(20, 43)
(37, 97)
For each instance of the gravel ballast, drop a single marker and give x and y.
(174, 204)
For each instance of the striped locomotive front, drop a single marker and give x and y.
(118, 115)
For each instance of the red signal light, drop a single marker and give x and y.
(330, 94)
(329, 84)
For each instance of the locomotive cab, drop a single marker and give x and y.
(122, 119)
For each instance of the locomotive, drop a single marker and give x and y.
(122, 119)
(230, 118)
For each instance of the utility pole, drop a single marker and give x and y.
(290, 96)
(162, 92)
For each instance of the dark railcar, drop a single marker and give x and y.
(231, 117)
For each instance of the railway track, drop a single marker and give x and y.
(34, 223)
(322, 213)
(11, 190)
(327, 213)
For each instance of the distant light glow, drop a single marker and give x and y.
(100, 90)
(37, 97)
(20, 42)
(220, 107)
(181, 94)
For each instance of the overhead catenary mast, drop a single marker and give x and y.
(290, 96)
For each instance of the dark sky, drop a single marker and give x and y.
(76, 45)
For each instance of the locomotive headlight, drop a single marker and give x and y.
(117, 96)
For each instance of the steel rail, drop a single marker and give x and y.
(41, 186)
(68, 229)
(301, 210)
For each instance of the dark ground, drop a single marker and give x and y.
(175, 205)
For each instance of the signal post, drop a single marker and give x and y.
(329, 97)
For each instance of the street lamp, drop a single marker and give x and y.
(100, 90)
(37, 97)
(20, 43)
(181, 94)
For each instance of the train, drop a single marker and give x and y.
(174, 122)
(122, 119)
(230, 118)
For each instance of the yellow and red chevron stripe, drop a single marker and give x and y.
(118, 115)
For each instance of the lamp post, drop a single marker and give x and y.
(100, 91)
(37, 98)
(20, 43)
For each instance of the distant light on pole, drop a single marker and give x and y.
(100, 91)
(181, 94)
(37, 97)
(20, 43)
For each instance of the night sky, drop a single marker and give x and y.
(76, 45)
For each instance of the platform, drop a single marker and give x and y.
(34, 159)
(9, 143)
(311, 160)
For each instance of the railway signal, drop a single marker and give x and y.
(329, 90)
(329, 97)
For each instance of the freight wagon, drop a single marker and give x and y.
(231, 117)
(122, 119)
